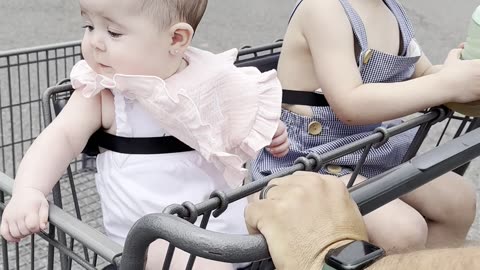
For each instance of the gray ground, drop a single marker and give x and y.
(440, 26)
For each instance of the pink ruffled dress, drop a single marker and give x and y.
(227, 114)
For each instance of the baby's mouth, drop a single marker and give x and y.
(103, 66)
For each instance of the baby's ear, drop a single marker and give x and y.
(181, 34)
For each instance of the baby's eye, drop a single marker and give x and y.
(114, 35)
(89, 27)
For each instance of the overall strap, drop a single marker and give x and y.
(357, 24)
(406, 27)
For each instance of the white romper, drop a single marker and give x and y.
(226, 114)
(131, 186)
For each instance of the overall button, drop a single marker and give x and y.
(334, 169)
(315, 128)
(367, 56)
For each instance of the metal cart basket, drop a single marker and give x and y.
(75, 239)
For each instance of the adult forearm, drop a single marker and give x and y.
(460, 258)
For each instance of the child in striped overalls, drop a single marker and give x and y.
(361, 56)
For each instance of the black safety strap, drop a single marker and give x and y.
(140, 146)
(303, 98)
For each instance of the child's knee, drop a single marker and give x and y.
(467, 205)
(156, 254)
(410, 234)
(414, 233)
(402, 232)
(460, 209)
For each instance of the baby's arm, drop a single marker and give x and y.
(353, 102)
(61, 142)
(45, 162)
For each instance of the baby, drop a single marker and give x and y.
(141, 78)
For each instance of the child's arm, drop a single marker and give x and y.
(45, 162)
(424, 67)
(332, 49)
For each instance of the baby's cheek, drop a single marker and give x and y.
(127, 64)
(87, 55)
(86, 51)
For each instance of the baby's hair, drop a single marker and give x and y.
(168, 12)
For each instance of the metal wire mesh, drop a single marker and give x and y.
(24, 75)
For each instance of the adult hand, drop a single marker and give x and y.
(302, 217)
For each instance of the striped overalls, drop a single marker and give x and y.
(324, 132)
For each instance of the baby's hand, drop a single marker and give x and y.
(25, 214)
(279, 146)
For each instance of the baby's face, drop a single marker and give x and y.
(119, 38)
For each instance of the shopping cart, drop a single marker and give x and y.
(75, 238)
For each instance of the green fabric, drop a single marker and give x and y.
(472, 46)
